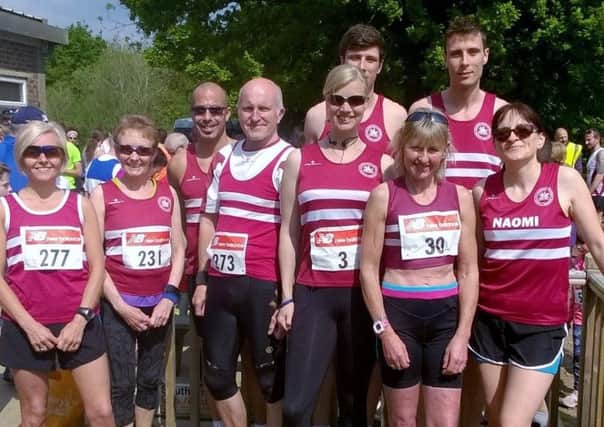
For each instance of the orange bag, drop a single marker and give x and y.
(65, 407)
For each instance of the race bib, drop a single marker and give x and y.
(429, 234)
(52, 248)
(146, 250)
(335, 248)
(227, 252)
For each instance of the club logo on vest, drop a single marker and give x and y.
(368, 170)
(482, 131)
(193, 178)
(165, 204)
(544, 196)
(373, 133)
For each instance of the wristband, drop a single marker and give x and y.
(171, 293)
(286, 302)
(201, 278)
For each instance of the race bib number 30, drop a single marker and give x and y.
(227, 252)
(429, 234)
(335, 248)
(146, 250)
(52, 248)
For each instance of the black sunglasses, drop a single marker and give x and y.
(430, 116)
(200, 110)
(353, 101)
(523, 130)
(50, 151)
(142, 151)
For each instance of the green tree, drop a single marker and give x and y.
(548, 53)
(120, 82)
(83, 49)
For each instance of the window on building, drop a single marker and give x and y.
(13, 91)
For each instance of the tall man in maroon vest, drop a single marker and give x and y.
(468, 107)
(362, 46)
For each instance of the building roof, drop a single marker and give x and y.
(16, 22)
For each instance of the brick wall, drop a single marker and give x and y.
(23, 58)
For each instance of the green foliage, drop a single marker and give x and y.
(83, 49)
(119, 82)
(548, 53)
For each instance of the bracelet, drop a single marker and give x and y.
(286, 302)
(201, 278)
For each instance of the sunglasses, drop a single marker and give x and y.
(50, 151)
(353, 101)
(429, 116)
(141, 150)
(523, 130)
(200, 110)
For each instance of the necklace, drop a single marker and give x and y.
(348, 142)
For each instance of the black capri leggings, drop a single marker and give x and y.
(328, 320)
(238, 308)
(136, 361)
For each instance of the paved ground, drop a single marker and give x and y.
(9, 405)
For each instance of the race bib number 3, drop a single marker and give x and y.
(335, 248)
(52, 248)
(227, 252)
(146, 250)
(429, 234)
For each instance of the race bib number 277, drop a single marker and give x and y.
(52, 248)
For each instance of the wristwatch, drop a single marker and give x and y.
(86, 313)
(380, 325)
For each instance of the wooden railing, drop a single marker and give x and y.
(591, 389)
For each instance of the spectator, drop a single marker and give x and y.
(20, 117)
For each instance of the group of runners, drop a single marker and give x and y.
(402, 240)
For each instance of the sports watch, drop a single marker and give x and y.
(380, 325)
(86, 313)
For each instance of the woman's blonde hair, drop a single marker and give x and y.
(426, 126)
(30, 132)
(340, 76)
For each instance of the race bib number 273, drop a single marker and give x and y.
(227, 252)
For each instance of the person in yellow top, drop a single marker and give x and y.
(573, 151)
(73, 166)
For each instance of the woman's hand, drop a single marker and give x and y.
(161, 313)
(40, 337)
(394, 349)
(285, 317)
(71, 335)
(134, 317)
(456, 356)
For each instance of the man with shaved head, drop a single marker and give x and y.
(238, 277)
(189, 169)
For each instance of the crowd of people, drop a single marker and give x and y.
(406, 252)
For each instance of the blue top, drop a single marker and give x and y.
(7, 155)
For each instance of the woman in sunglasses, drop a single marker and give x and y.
(525, 214)
(144, 258)
(53, 273)
(323, 194)
(421, 229)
